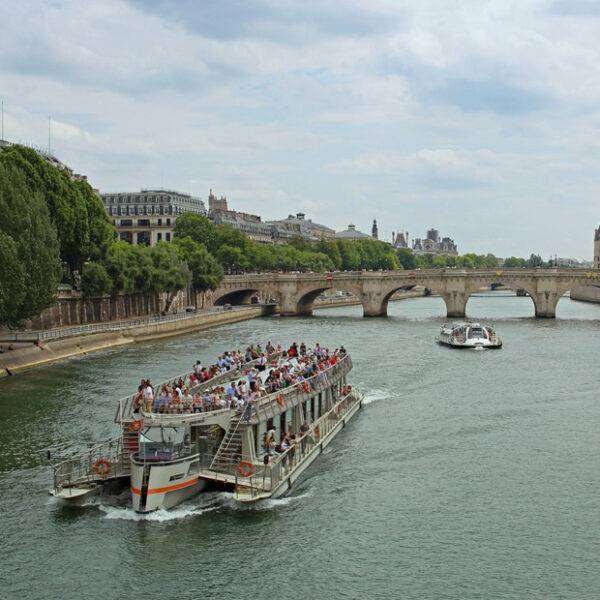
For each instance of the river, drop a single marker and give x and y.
(466, 475)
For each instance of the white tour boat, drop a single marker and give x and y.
(465, 334)
(165, 458)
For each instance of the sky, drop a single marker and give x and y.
(478, 118)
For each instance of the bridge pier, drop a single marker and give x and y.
(374, 305)
(545, 304)
(456, 303)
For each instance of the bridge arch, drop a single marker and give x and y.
(302, 302)
(243, 294)
(497, 281)
(386, 295)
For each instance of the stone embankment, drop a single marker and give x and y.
(588, 294)
(31, 355)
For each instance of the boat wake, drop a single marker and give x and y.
(375, 395)
(174, 514)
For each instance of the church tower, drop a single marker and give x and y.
(374, 232)
(597, 248)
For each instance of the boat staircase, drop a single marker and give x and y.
(130, 445)
(229, 453)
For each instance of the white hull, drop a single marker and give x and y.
(473, 344)
(168, 484)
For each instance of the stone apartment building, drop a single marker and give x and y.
(148, 216)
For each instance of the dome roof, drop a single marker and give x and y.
(352, 234)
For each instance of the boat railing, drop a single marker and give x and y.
(265, 406)
(266, 478)
(125, 406)
(280, 400)
(99, 463)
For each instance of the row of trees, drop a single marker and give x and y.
(235, 251)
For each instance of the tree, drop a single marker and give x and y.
(407, 259)
(198, 228)
(102, 231)
(95, 281)
(170, 272)
(82, 226)
(513, 262)
(29, 251)
(207, 273)
(231, 257)
(535, 260)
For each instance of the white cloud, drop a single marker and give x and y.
(466, 113)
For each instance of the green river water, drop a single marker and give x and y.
(466, 475)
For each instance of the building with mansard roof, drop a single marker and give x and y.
(252, 225)
(283, 229)
(148, 216)
(352, 234)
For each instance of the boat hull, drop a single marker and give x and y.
(166, 485)
(472, 344)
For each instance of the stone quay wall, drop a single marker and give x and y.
(589, 294)
(72, 309)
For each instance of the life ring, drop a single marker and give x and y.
(102, 467)
(317, 432)
(280, 399)
(135, 426)
(306, 386)
(245, 469)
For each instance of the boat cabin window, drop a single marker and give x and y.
(476, 332)
(161, 443)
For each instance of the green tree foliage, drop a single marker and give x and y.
(170, 273)
(102, 231)
(207, 273)
(95, 281)
(29, 251)
(407, 259)
(82, 226)
(198, 228)
(514, 263)
(535, 260)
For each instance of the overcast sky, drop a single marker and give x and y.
(479, 118)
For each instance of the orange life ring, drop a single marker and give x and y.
(306, 386)
(317, 433)
(245, 469)
(135, 426)
(280, 399)
(102, 467)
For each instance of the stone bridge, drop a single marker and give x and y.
(296, 292)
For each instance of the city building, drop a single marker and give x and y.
(399, 240)
(374, 232)
(284, 229)
(352, 234)
(148, 216)
(251, 225)
(432, 244)
(597, 248)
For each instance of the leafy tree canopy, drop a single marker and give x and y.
(82, 225)
(29, 250)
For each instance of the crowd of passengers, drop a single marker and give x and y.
(177, 397)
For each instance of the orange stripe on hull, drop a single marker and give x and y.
(169, 488)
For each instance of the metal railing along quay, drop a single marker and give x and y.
(64, 332)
